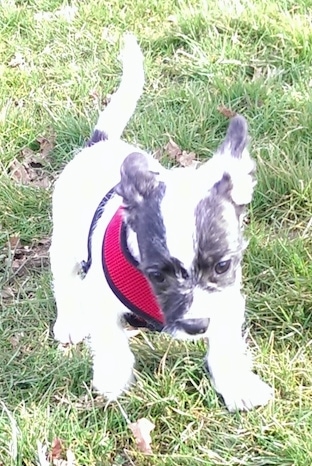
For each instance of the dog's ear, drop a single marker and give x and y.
(235, 164)
(236, 138)
(139, 178)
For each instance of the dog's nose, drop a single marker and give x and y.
(194, 326)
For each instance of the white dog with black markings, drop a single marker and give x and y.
(161, 248)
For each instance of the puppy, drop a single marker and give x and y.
(161, 247)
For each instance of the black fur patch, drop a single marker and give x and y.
(146, 220)
(213, 242)
(97, 136)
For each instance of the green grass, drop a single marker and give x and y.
(251, 56)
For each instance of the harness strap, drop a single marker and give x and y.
(121, 271)
(85, 265)
(124, 277)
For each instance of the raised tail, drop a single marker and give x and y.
(114, 118)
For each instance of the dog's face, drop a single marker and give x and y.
(185, 228)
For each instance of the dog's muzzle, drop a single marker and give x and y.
(193, 326)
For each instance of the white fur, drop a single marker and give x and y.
(88, 306)
(228, 359)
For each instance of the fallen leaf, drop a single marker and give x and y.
(47, 144)
(44, 241)
(18, 172)
(21, 258)
(226, 112)
(158, 154)
(56, 449)
(184, 158)
(173, 149)
(15, 339)
(29, 172)
(7, 293)
(56, 455)
(141, 430)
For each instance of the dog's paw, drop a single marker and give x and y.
(113, 375)
(110, 389)
(67, 332)
(112, 384)
(247, 392)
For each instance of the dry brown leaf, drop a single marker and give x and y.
(30, 170)
(228, 113)
(141, 430)
(57, 456)
(158, 154)
(173, 149)
(47, 145)
(186, 159)
(7, 293)
(56, 449)
(29, 173)
(18, 172)
(44, 241)
(21, 258)
(15, 339)
(17, 265)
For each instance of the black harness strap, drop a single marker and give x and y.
(85, 265)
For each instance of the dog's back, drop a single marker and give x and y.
(83, 183)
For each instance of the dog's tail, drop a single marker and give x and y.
(114, 118)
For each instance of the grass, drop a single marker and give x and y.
(250, 56)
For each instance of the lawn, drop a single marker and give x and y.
(202, 58)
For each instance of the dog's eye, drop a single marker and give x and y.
(157, 276)
(184, 274)
(222, 267)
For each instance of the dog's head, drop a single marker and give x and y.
(185, 229)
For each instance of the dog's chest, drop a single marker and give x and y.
(121, 271)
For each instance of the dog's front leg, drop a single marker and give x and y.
(230, 367)
(113, 360)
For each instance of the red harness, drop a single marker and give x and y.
(125, 279)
